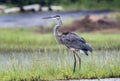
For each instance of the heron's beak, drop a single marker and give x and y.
(48, 17)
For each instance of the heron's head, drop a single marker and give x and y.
(56, 17)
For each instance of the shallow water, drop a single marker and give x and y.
(56, 57)
(35, 19)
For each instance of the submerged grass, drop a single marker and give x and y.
(27, 39)
(52, 65)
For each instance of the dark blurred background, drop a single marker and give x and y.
(67, 4)
(82, 15)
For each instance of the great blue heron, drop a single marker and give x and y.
(70, 40)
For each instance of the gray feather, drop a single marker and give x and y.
(71, 40)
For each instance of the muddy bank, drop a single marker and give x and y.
(90, 23)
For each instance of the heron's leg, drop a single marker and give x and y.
(79, 60)
(74, 62)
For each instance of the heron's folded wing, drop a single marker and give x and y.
(72, 40)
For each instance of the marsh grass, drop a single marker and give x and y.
(27, 39)
(52, 65)
(29, 55)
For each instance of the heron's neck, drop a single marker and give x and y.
(56, 29)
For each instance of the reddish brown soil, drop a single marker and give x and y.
(87, 24)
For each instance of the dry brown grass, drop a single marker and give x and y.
(94, 24)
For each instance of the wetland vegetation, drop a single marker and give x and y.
(29, 55)
(32, 54)
(29, 39)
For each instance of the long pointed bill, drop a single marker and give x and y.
(48, 17)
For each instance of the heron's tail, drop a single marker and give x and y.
(87, 47)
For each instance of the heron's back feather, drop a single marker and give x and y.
(72, 40)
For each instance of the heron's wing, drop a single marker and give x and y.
(72, 36)
(71, 40)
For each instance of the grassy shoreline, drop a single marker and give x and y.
(28, 39)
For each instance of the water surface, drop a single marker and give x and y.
(35, 19)
(26, 59)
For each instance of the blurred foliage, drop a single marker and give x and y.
(101, 4)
